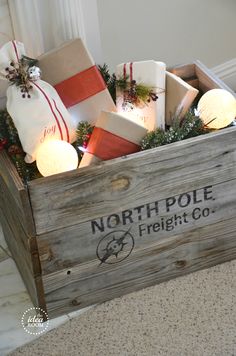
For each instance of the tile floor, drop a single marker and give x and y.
(14, 300)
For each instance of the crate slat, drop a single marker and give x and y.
(208, 81)
(18, 191)
(180, 254)
(58, 252)
(184, 71)
(22, 260)
(60, 202)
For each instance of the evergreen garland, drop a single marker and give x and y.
(83, 133)
(9, 140)
(9, 135)
(109, 79)
(189, 126)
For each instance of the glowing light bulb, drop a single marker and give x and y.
(217, 108)
(56, 157)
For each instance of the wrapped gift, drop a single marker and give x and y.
(114, 136)
(179, 97)
(34, 105)
(141, 77)
(73, 73)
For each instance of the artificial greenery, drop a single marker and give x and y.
(9, 135)
(109, 79)
(133, 92)
(18, 74)
(189, 126)
(83, 133)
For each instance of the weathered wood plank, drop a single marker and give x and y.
(169, 258)
(10, 210)
(23, 244)
(193, 82)
(69, 199)
(200, 77)
(20, 255)
(27, 262)
(207, 79)
(155, 221)
(18, 191)
(184, 71)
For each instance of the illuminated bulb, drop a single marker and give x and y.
(217, 108)
(56, 157)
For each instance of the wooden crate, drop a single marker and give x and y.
(90, 235)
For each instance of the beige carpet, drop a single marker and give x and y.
(190, 316)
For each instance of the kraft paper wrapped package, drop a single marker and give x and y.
(114, 136)
(38, 114)
(72, 71)
(151, 74)
(179, 97)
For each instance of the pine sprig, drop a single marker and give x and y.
(134, 93)
(190, 126)
(18, 74)
(13, 146)
(83, 133)
(109, 79)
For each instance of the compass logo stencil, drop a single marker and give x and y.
(115, 247)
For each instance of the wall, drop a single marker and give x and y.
(173, 31)
(5, 28)
(72, 18)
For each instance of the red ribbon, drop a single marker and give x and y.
(105, 145)
(130, 71)
(81, 86)
(49, 103)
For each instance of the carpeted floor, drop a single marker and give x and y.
(193, 315)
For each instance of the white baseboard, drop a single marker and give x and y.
(227, 72)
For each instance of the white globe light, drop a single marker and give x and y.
(56, 157)
(217, 108)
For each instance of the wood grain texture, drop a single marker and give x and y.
(184, 71)
(193, 82)
(23, 246)
(71, 198)
(18, 191)
(200, 77)
(90, 283)
(75, 245)
(26, 259)
(20, 256)
(10, 210)
(207, 80)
